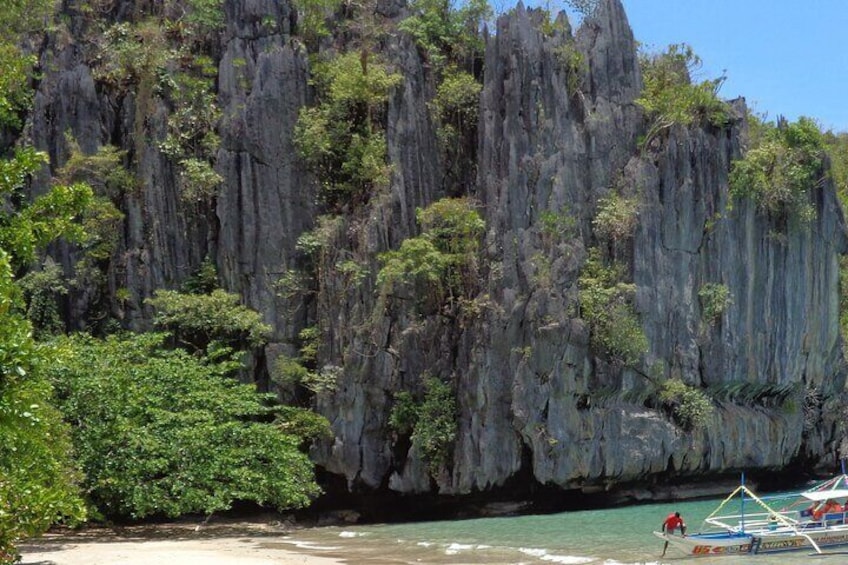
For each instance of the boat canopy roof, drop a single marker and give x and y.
(825, 494)
(836, 487)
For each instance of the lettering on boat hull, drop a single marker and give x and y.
(721, 549)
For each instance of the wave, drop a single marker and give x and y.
(564, 559)
(313, 546)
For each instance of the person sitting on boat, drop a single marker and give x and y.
(672, 522)
(772, 522)
(830, 506)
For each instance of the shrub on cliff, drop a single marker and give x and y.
(439, 267)
(670, 98)
(690, 407)
(784, 163)
(342, 140)
(714, 298)
(447, 32)
(203, 321)
(163, 432)
(606, 305)
(431, 421)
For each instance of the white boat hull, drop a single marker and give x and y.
(697, 544)
(759, 542)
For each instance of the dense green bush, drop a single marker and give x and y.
(616, 217)
(455, 105)
(783, 165)
(67, 211)
(447, 33)
(312, 20)
(20, 17)
(199, 321)
(104, 170)
(38, 481)
(435, 429)
(129, 55)
(304, 370)
(404, 413)
(202, 281)
(17, 19)
(57, 213)
(15, 94)
(163, 432)
(289, 372)
(41, 291)
(557, 226)
(203, 20)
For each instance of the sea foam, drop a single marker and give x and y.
(545, 556)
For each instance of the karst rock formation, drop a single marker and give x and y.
(535, 401)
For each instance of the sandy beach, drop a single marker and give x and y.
(239, 543)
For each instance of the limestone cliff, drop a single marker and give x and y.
(533, 397)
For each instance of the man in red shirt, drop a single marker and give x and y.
(672, 522)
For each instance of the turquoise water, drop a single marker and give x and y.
(609, 537)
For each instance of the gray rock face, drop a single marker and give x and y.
(162, 242)
(266, 200)
(387, 355)
(529, 389)
(782, 326)
(558, 130)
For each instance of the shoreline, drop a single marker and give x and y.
(186, 543)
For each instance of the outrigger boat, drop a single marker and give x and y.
(802, 521)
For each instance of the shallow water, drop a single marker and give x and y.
(609, 537)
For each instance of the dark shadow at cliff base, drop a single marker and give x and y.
(522, 494)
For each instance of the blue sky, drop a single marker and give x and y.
(785, 58)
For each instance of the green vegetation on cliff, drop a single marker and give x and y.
(156, 57)
(447, 34)
(669, 96)
(430, 421)
(437, 270)
(782, 167)
(606, 303)
(342, 140)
